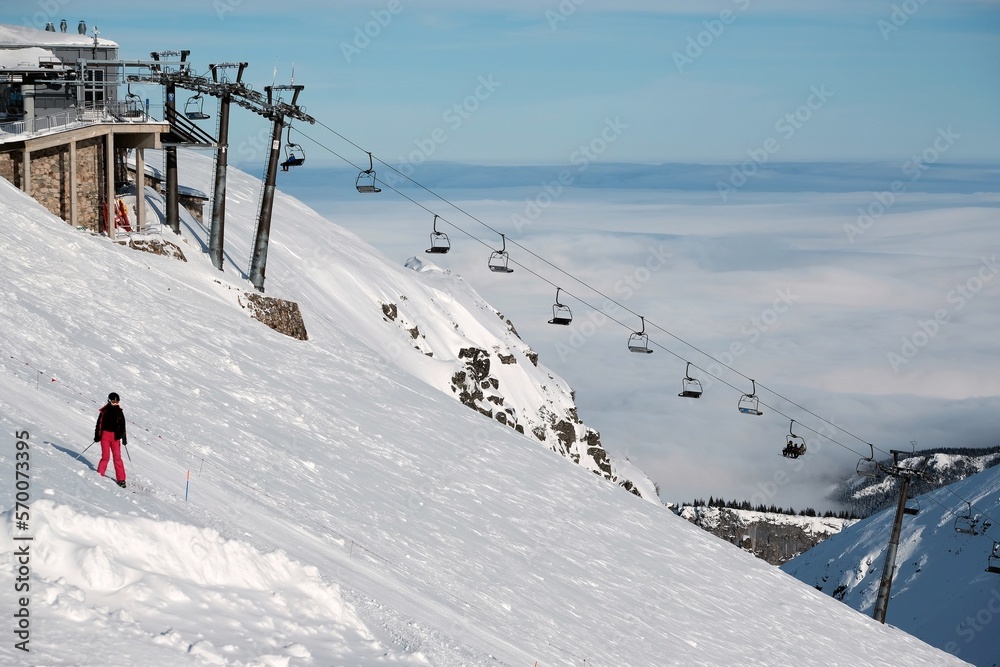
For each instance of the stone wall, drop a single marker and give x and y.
(89, 193)
(50, 179)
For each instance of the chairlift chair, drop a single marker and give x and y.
(365, 182)
(498, 258)
(993, 563)
(295, 155)
(561, 314)
(194, 108)
(134, 107)
(439, 241)
(967, 523)
(690, 387)
(867, 466)
(749, 403)
(795, 445)
(638, 342)
(912, 507)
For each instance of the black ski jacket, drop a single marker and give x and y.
(111, 418)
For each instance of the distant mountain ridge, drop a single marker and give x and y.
(939, 467)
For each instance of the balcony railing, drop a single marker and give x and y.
(124, 111)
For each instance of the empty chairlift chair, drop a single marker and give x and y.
(749, 403)
(366, 182)
(993, 563)
(194, 108)
(439, 241)
(795, 445)
(498, 258)
(690, 387)
(912, 507)
(867, 466)
(561, 314)
(638, 342)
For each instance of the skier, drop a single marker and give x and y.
(110, 432)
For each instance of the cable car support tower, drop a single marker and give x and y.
(889, 568)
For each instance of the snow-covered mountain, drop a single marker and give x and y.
(938, 467)
(771, 536)
(324, 501)
(942, 592)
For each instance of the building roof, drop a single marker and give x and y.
(16, 36)
(25, 59)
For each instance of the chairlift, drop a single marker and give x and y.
(295, 155)
(912, 507)
(134, 107)
(690, 387)
(439, 240)
(867, 466)
(498, 258)
(365, 182)
(561, 314)
(639, 341)
(993, 563)
(749, 403)
(795, 445)
(194, 108)
(967, 523)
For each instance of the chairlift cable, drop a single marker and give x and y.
(597, 291)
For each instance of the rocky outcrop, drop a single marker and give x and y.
(775, 538)
(156, 247)
(282, 316)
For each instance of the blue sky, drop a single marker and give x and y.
(533, 82)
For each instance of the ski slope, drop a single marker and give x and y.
(942, 592)
(322, 502)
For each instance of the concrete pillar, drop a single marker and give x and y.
(28, 97)
(109, 183)
(26, 168)
(140, 189)
(72, 184)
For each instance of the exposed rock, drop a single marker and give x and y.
(156, 247)
(775, 538)
(390, 311)
(507, 359)
(282, 316)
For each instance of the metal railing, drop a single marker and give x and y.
(119, 111)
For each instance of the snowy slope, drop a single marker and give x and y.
(340, 511)
(942, 592)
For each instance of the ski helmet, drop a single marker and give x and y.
(113, 397)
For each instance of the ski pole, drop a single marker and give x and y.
(85, 450)
(126, 452)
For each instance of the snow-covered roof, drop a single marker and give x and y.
(18, 36)
(26, 58)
